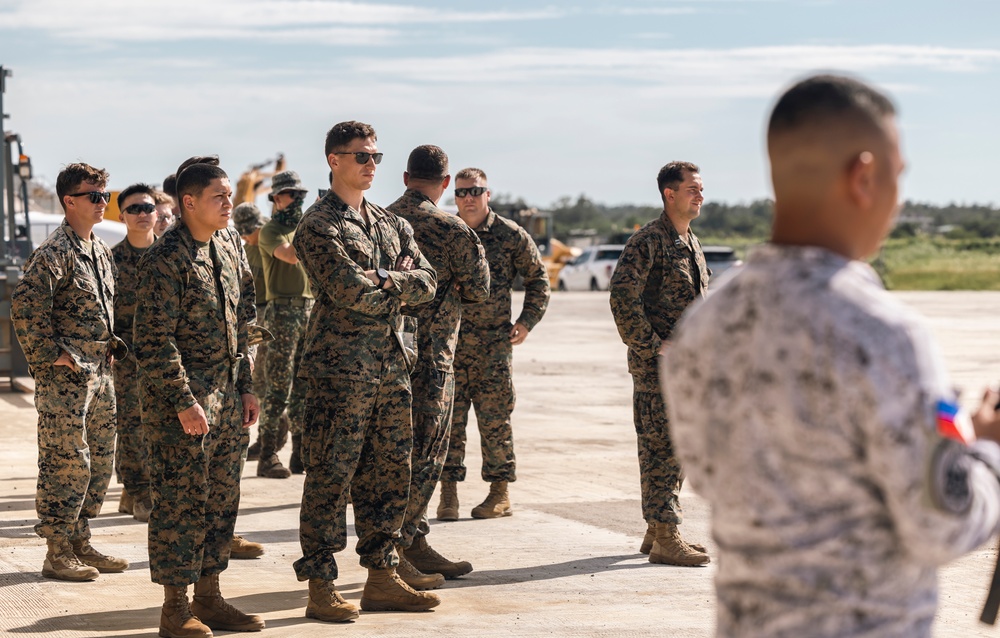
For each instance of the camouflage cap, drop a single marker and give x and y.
(247, 218)
(287, 181)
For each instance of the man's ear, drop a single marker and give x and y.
(446, 182)
(406, 178)
(862, 180)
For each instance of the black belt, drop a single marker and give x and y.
(296, 302)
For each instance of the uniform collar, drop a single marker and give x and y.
(487, 224)
(75, 240)
(333, 201)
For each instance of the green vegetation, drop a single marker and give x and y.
(931, 248)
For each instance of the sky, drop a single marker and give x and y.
(551, 99)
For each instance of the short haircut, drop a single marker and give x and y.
(671, 175)
(161, 197)
(427, 162)
(136, 189)
(827, 99)
(346, 132)
(195, 174)
(471, 173)
(71, 177)
(170, 185)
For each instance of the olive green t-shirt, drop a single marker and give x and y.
(283, 279)
(257, 268)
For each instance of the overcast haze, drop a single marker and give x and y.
(549, 98)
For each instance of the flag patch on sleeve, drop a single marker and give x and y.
(952, 423)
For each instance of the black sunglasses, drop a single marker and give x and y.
(361, 157)
(95, 196)
(475, 191)
(139, 209)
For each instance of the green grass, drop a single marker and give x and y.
(920, 263)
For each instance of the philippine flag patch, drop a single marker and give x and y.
(952, 423)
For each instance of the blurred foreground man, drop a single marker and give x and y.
(463, 275)
(661, 271)
(812, 409)
(63, 312)
(484, 375)
(137, 204)
(289, 302)
(357, 435)
(191, 344)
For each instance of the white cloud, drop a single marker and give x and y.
(323, 21)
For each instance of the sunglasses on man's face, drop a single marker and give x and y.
(139, 209)
(361, 157)
(95, 196)
(475, 191)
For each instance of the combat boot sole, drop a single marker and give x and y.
(78, 575)
(491, 512)
(185, 633)
(336, 614)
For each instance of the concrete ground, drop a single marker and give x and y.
(566, 563)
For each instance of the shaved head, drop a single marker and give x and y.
(835, 165)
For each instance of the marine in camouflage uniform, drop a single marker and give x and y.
(63, 309)
(131, 451)
(463, 275)
(357, 429)
(191, 346)
(289, 302)
(659, 274)
(484, 356)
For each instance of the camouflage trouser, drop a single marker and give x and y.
(659, 469)
(433, 398)
(356, 434)
(131, 451)
(76, 437)
(484, 379)
(281, 362)
(196, 490)
(259, 366)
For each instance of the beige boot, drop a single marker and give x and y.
(386, 591)
(448, 506)
(326, 603)
(423, 557)
(214, 611)
(240, 548)
(647, 541)
(670, 549)
(104, 564)
(62, 564)
(125, 502)
(142, 508)
(497, 502)
(416, 578)
(176, 620)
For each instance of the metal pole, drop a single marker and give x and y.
(4, 166)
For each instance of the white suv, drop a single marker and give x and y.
(592, 269)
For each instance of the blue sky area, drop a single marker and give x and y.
(551, 99)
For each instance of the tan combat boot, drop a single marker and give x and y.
(647, 541)
(125, 502)
(90, 556)
(670, 549)
(497, 502)
(62, 564)
(423, 557)
(448, 506)
(142, 508)
(240, 548)
(176, 620)
(386, 591)
(214, 611)
(416, 578)
(326, 603)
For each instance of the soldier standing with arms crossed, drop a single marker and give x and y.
(137, 204)
(483, 360)
(289, 302)
(63, 313)
(357, 431)
(197, 401)
(463, 275)
(661, 271)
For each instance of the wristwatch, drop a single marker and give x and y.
(383, 276)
